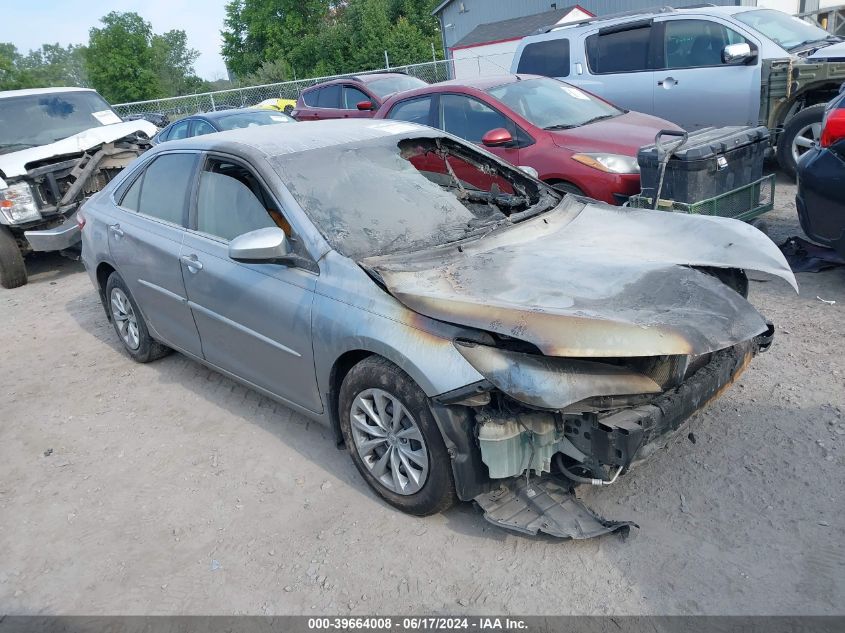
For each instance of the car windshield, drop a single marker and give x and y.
(389, 195)
(251, 119)
(785, 30)
(389, 85)
(33, 120)
(552, 104)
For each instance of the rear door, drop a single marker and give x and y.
(254, 319)
(328, 103)
(619, 65)
(693, 86)
(145, 239)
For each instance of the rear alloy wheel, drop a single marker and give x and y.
(129, 323)
(393, 438)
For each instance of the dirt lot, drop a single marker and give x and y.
(165, 488)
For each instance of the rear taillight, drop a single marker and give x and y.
(834, 127)
(80, 220)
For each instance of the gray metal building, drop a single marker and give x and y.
(459, 17)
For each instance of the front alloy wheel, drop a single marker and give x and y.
(389, 441)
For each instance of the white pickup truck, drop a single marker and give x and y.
(58, 146)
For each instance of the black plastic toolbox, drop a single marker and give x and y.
(711, 162)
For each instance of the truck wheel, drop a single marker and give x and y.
(12, 268)
(799, 135)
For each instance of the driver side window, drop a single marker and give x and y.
(468, 118)
(697, 43)
(231, 201)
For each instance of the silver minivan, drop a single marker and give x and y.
(697, 67)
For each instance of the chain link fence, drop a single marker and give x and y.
(178, 107)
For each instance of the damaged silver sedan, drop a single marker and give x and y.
(466, 331)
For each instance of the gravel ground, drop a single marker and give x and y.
(168, 489)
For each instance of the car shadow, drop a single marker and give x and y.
(48, 267)
(309, 438)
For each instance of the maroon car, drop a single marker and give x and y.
(351, 97)
(574, 140)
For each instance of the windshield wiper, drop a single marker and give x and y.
(830, 38)
(569, 126)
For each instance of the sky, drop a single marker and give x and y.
(30, 23)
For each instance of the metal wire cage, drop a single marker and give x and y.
(743, 203)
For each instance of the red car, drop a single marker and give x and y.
(351, 97)
(574, 140)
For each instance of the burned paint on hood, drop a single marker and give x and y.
(591, 280)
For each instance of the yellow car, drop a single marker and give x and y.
(282, 105)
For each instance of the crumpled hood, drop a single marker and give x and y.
(14, 163)
(833, 51)
(591, 280)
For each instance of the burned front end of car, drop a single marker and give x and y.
(597, 333)
(588, 420)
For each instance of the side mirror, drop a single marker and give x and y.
(497, 138)
(737, 53)
(365, 105)
(267, 246)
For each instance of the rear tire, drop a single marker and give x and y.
(395, 429)
(12, 267)
(800, 130)
(129, 323)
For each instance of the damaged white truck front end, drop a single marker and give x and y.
(58, 146)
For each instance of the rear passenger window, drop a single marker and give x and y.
(329, 97)
(619, 51)
(549, 58)
(162, 190)
(179, 130)
(412, 110)
(310, 97)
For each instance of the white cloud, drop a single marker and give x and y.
(31, 23)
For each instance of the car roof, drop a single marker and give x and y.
(219, 114)
(4, 94)
(362, 79)
(633, 16)
(484, 83)
(280, 140)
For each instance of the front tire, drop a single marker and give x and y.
(393, 439)
(798, 136)
(129, 323)
(12, 267)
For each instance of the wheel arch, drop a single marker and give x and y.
(102, 274)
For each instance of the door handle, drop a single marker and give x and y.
(191, 261)
(668, 82)
(115, 228)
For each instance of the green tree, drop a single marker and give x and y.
(120, 59)
(173, 62)
(50, 65)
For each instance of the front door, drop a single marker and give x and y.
(694, 88)
(145, 238)
(254, 319)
